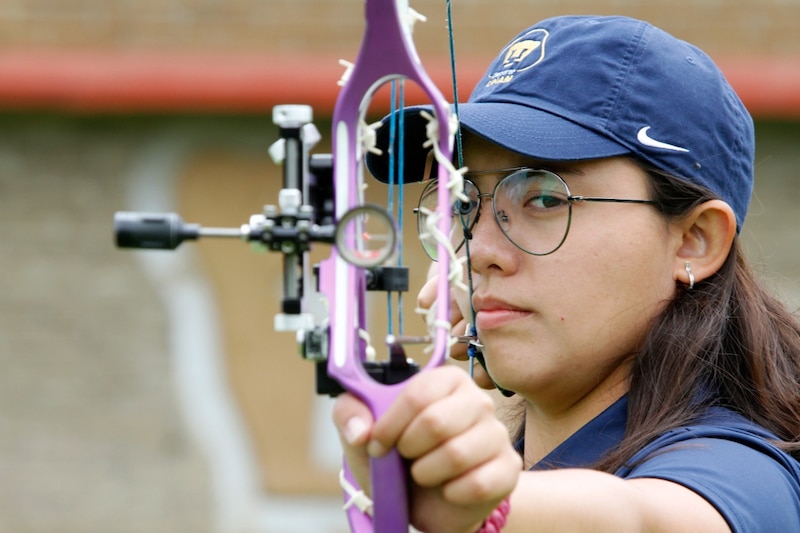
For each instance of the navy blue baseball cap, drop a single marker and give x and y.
(585, 87)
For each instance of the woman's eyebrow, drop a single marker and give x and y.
(562, 167)
(491, 171)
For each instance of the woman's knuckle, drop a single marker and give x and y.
(459, 457)
(479, 488)
(434, 424)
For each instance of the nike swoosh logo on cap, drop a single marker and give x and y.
(646, 140)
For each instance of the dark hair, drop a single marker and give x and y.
(727, 336)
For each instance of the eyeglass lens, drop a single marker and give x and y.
(531, 207)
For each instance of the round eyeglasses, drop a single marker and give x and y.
(533, 209)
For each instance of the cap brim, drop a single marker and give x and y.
(525, 130)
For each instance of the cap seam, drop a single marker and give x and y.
(633, 51)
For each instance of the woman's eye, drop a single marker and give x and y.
(463, 208)
(546, 201)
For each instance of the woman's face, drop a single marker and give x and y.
(562, 327)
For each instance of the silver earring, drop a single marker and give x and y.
(691, 275)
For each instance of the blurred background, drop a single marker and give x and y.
(149, 391)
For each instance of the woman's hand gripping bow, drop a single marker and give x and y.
(462, 464)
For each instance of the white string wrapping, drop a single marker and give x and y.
(454, 181)
(348, 71)
(412, 17)
(369, 350)
(368, 134)
(356, 497)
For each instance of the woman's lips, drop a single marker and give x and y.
(495, 318)
(492, 314)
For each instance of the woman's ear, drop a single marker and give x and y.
(706, 235)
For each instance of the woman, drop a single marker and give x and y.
(610, 171)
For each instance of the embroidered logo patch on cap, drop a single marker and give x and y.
(526, 51)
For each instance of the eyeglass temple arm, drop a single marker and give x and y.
(616, 200)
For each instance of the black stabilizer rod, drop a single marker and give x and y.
(154, 231)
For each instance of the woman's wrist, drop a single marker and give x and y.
(497, 519)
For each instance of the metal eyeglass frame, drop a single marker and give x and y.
(509, 172)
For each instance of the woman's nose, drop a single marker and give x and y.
(487, 244)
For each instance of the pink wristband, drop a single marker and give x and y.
(497, 519)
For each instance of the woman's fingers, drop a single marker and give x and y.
(459, 444)
(445, 418)
(448, 429)
(419, 393)
(454, 457)
(492, 480)
(354, 421)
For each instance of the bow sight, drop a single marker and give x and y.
(365, 236)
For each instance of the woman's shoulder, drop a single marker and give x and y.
(734, 464)
(720, 423)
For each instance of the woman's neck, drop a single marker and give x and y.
(546, 427)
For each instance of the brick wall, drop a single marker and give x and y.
(248, 55)
(740, 27)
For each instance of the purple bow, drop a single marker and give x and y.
(387, 53)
